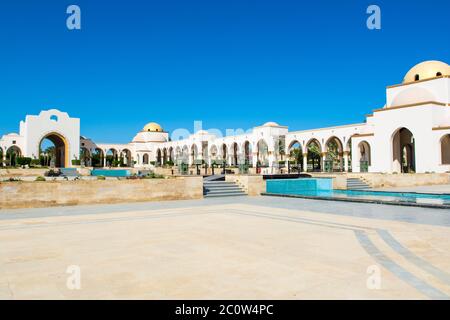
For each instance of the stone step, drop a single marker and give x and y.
(356, 184)
(217, 195)
(221, 189)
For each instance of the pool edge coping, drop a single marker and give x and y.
(368, 201)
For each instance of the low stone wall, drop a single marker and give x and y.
(253, 185)
(405, 179)
(11, 173)
(381, 180)
(60, 193)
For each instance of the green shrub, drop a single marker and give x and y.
(76, 162)
(35, 162)
(24, 161)
(101, 178)
(40, 179)
(154, 176)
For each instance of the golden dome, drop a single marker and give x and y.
(427, 70)
(153, 127)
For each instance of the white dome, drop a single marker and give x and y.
(271, 124)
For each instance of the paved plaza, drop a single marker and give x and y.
(235, 248)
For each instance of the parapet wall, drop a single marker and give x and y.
(253, 185)
(62, 193)
(380, 180)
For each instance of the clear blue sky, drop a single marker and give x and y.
(229, 63)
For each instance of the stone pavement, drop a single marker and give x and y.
(236, 248)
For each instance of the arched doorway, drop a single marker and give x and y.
(158, 157)
(445, 149)
(98, 158)
(364, 156)
(248, 153)
(296, 155)
(194, 153)
(213, 152)
(112, 158)
(145, 158)
(263, 153)
(185, 154)
(54, 147)
(126, 158)
(234, 149)
(12, 154)
(334, 155)
(85, 157)
(403, 151)
(224, 152)
(314, 160)
(165, 156)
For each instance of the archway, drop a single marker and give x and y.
(112, 158)
(178, 154)
(98, 158)
(263, 153)
(194, 153)
(224, 152)
(145, 158)
(12, 154)
(403, 151)
(185, 154)
(364, 156)
(165, 156)
(158, 157)
(85, 157)
(445, 149)
(1, 157)
(296, 155)
(213, 152)
(334, 153)
(171, 155)
(234, 152)
(125, 158)
(248, 153)
(314, 160)
(53, 146)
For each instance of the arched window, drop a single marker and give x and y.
(54, 118)
(438, 74)
(416, 77)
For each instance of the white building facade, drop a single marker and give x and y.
(411, 133)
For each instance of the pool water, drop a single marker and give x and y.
(110, 173)
(324, 190)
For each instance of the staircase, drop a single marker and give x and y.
(221, 189)
(356, 184)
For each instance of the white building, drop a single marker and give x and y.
(411, 133)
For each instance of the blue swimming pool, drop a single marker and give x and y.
(111, 173)
(323, 189)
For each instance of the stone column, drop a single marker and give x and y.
(271, 159)
(254, 159)
(324, 158)
(104, 159)
(305, 162)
